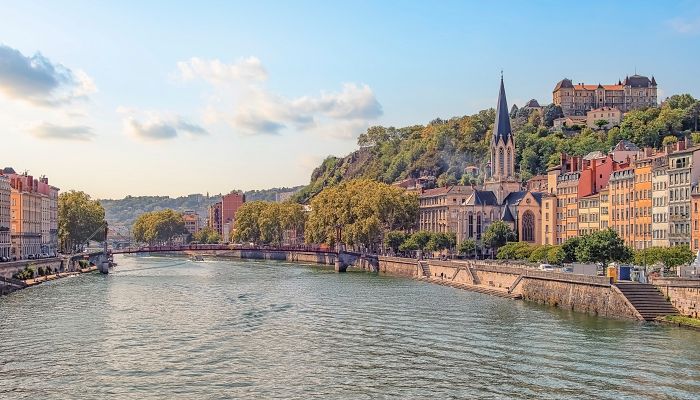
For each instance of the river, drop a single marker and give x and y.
(169, 328)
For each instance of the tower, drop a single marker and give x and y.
(502, 180)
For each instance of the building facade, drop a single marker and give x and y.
(634, 92)
(5, 194)
(222, 215)
(683, 171)
(611, 115)
(192, 224)
(440, 209)
(659, 201)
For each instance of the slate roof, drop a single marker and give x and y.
(506, 215)
(501, 127)
(485, 197)
(514, 198)
(564, 83)
(532, 104)
(638, 81)
(625, 145)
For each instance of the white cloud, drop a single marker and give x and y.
(216, 72)
(39, 81)
(240, 99)
(685, 25)
(155, 126)
(47, 130)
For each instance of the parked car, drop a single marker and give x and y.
(546, 267)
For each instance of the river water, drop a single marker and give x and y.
(169, 328)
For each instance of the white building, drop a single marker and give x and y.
(659, 201)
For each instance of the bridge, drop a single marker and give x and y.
(217, 247)
(316, 254)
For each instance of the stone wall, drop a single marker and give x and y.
(9, 268)
(589, 294)
(399, 267)
(684, 294)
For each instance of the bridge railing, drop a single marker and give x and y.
(220, 247)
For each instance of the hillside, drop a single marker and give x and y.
(444, 148)
(123, 212)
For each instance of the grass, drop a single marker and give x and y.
(680, 320)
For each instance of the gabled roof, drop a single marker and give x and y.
(501, 127)
(594, 155)
(447, 190)
(563, 84)
(506, 215)
(532, 104)
(514, 198)
(485, 197)
(625, 145)
(637, 81)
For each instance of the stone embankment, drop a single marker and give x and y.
(684, 294)
(589, 294)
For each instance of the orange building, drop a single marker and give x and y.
(695, 220)
(622, 203)
(222, 215)
(641, 229)
(25, 216)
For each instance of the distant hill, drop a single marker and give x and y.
(123, 212)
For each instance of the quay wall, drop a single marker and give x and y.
(589, 294)
(9, 268)
(684, 294)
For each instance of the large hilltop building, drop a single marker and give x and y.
(634, 92)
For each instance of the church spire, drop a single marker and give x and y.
(501, 127)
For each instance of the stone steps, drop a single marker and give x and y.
(475, 288)
(646, 299)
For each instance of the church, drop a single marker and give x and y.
(502, 196)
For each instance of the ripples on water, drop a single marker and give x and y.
(170, 328)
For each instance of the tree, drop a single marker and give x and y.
(601, 123)
(79, 217)
(515, 251)
(158, 226)
(440, 241)
(497, 234)
(268, 222)
(602, 246)
(363, 209)
(207, 235)
(569, 249)
(555, 255)
(669, 140)
(394, 239)
(467, 247)
(540, 254)
(551, 112)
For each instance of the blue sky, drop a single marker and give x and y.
(175, 98)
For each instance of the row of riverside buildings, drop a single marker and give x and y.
(221, 218)
(649, 197)
(28, 215)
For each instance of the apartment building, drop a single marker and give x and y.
(683, 172)
(5, 194)
(642, 227)
(659, 201)
(440, 209)
(622, 203)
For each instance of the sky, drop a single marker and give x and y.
(173, 97)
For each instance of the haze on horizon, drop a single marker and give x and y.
(159, 98)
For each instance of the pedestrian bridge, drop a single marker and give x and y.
(217, 247)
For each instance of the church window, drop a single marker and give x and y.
(510, 163)
(528, 226)
(500, 161)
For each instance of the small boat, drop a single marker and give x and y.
(197, 258)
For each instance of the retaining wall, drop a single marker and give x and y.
(9, 268)
(684, 294)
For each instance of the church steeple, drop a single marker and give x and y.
(501, 127)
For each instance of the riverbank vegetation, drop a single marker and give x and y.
(79, 218)
(158, 226)
(683, 321)
(264, 222)
(361, 211)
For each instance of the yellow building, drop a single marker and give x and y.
(549, 219)
(604, 213)
(589, 214)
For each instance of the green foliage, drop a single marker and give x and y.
(266, 222)
(78, 218)
(363, 209)
(569, 249)
(669, 140)
(207, 235)
(514, 251)
(555, 255)
(441, 241)
(394, 239)
(497, 234)
(602, 246)
(24, 274)
(671, 257)
(601, 123)
(158, 226)
(467, 247)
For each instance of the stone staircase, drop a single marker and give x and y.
(475, 288)
(425, 268)
(646, 299)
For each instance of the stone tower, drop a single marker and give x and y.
(502, 179)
